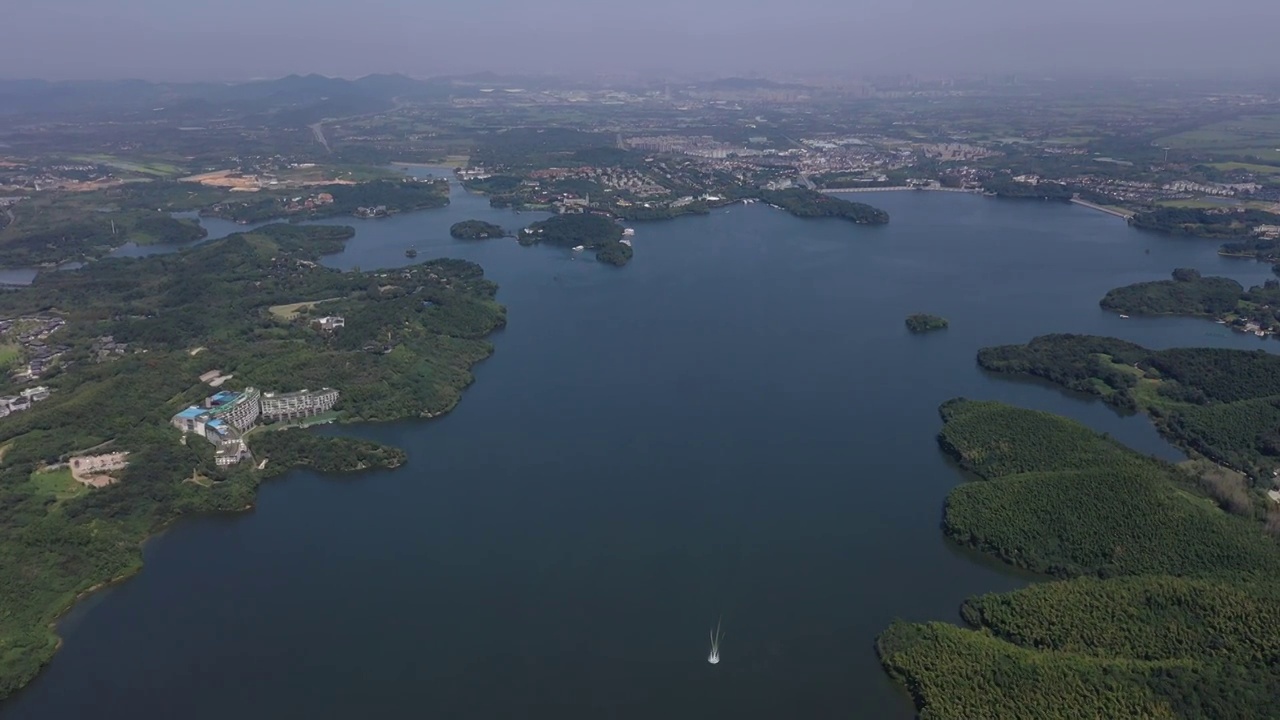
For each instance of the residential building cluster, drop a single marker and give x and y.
(31, 334)
(10, 404)
(224, 417)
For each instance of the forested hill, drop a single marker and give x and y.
(1223, 404)
(813, 204)
(1166, 610)
(243, 305)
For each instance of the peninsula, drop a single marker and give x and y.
(581, 231)
(138, 340)
(1216, 403)
(1188, 293)
(1152, 575)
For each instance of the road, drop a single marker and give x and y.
(318, 131)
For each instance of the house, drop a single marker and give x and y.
(331, 323)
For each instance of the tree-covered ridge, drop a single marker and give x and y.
(476, 230)
(1223, 404)
(243, 305)
(1168, 612)
(1158, 617)
(802, 202)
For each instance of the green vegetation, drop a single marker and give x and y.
(1167, 614)
(1222, 404)
(590, 231)
(1261, 249)
(1257, 310)
(1006, 187)
(922, 322)
(59, 484)
(813, 204)
(410, 339)
(1247, 167)
(476, 230)
(286, 449)
(1203, 222)
(9, 354)
(614, 253)
(1186, 294)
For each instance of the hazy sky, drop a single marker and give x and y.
(237, 39)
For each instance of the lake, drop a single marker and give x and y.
(737, 425)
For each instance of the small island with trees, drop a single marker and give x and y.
(476, 230)
(585, 231)
(924, 322)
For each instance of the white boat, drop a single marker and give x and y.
(579, 248)
(1124, 317)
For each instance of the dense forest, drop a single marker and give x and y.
(1220, 223)
(286, 449)
(476, 230)
(410, 339)
(1166, 614)
(1187, 293)
(74, 237)
(813, 204)
(1006, 187)
(594, 232)
(923, 322)
(1222, 404)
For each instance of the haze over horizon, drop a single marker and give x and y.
(243, 39)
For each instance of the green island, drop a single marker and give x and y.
(103, 454)
(923, 322)
(476, 230)
(581, 230)
(806, 203)
(1189, 293)
(1164, 605)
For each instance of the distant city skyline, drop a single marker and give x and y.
(245, 39)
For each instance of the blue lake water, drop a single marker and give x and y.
(735, 425)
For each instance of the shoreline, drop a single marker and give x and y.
(901, 188)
